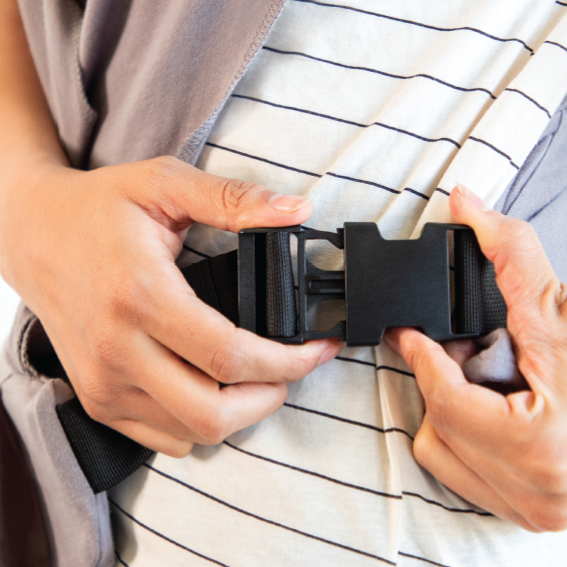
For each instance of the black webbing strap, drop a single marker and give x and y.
(281, 310)
(479, 305)
(106, 457)
(215, 282)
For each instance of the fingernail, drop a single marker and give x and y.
(288, 203)
(470, 197)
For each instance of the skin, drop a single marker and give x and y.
(92, 254)
(507, 454)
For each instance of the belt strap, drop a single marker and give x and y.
(479, 306)
(107, 457)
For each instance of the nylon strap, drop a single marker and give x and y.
(479, 306)
(106, 457)
(281, 311)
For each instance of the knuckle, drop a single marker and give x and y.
(550, 478)
(514, 233)
(214, 425)
(512, 229)
(178, 450)
(95, 409)
(236, 195)
(436, 404)
(96, 391)
(422, 450)
(163, 166)
(226, 366)
(129, 295)
(547, 516)
(122, 302)
(105, 350)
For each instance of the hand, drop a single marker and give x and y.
(507, 454)
(92, 254)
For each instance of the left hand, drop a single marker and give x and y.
(506, 454)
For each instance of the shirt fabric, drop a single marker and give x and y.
(375, 116)
(129, 81)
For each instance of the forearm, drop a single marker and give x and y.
(28, 143)
(28, 133)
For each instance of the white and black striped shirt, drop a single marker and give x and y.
(373, 108)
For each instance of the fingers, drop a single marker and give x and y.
(174, 400)
(136, 405)
(187, 194)
(492, 483)
(444, 464)
(153, 439)
(523, 272)
(210, 412)
(454, 405)
(460, 351)
(201, 335)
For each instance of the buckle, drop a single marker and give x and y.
(386, 283)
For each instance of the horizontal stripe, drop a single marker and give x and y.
(267, 521)
(312, 473)
(355, 360)
(263, 159)
(410, 556)
(275, 163)
(155, 532)
(349, 122)
(442, 191)
(448, 508)
(530, 99)
(349, 421)
(120, 560)
(381, 367)
(363, 182)
(383, 73)
(495, 149)
(561, 3)
(419, 24)
(403, 372)
(556, 45)
(355, 486)
(417, 193)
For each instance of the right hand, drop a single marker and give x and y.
(92, 255)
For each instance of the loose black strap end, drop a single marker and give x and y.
(105, 456)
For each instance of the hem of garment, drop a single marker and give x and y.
(191, 147)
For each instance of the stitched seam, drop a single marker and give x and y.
(5, 378)
(22, 351)
(191, 144)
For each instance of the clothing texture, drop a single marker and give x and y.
(109, 110)
(326, 110)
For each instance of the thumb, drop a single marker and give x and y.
(523, 273)
(188, 194)
(453, 404)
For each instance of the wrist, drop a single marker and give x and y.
(27, 188)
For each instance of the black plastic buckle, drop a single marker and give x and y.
(386, 283)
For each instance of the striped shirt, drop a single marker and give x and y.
(374, 110)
